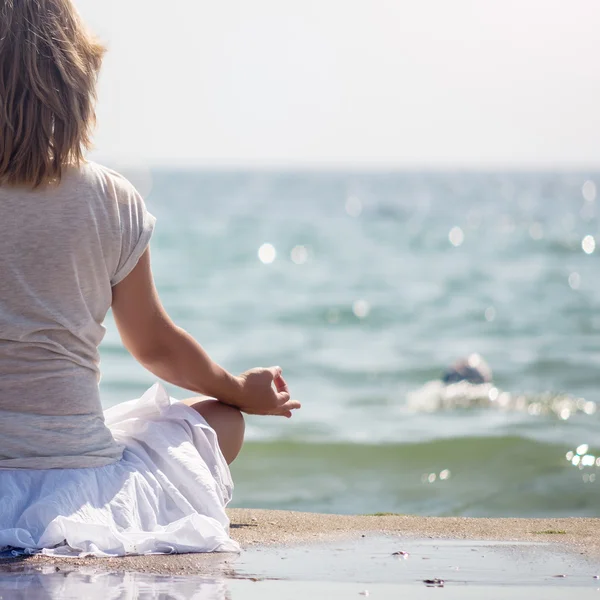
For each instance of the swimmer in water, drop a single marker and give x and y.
(465, 384)
(472, 369)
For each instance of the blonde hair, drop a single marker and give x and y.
(49, 64)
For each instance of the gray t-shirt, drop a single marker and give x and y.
(62, 249)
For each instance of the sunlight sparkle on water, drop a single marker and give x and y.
(354, 206)
(588, 460)
(581, 459)
(588, 244)
(456, 236)
(588, 190)
(267, 253)
(299, 255)
(490, 314)
(433, 477)
(574, 280)
(361, 308)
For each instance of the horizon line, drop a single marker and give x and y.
(335, 167)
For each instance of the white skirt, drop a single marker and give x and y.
(167, 494)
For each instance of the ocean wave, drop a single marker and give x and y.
(436, 396)
(470, 476)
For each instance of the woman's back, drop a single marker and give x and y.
(62, 248)
(74, 242)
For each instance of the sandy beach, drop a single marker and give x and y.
(264, 528)
(296, 555)
(250, 526)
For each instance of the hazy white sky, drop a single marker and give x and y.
(406, 83)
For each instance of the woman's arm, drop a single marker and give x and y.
(173, 355)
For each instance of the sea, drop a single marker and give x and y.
(364, 287)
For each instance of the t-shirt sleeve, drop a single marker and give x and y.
(137, 226)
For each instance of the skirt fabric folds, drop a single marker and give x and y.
(166, 495)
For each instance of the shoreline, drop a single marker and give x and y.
(256, 528)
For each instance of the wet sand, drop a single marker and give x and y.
(261, 528)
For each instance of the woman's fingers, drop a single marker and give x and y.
(280, 384)
(275, 372)
(292, 405)
(285, 405)
(283, 397)
(285, 413)
(285, 409)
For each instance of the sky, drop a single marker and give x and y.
(349, 83)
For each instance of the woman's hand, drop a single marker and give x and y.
(264, 392)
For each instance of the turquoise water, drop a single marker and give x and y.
(378, 283)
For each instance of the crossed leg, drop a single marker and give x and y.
(228, 423)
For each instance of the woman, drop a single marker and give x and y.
(150, 475)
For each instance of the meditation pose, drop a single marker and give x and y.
(147, 476)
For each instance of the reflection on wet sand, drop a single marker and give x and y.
(48, 583)
(385, 566)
